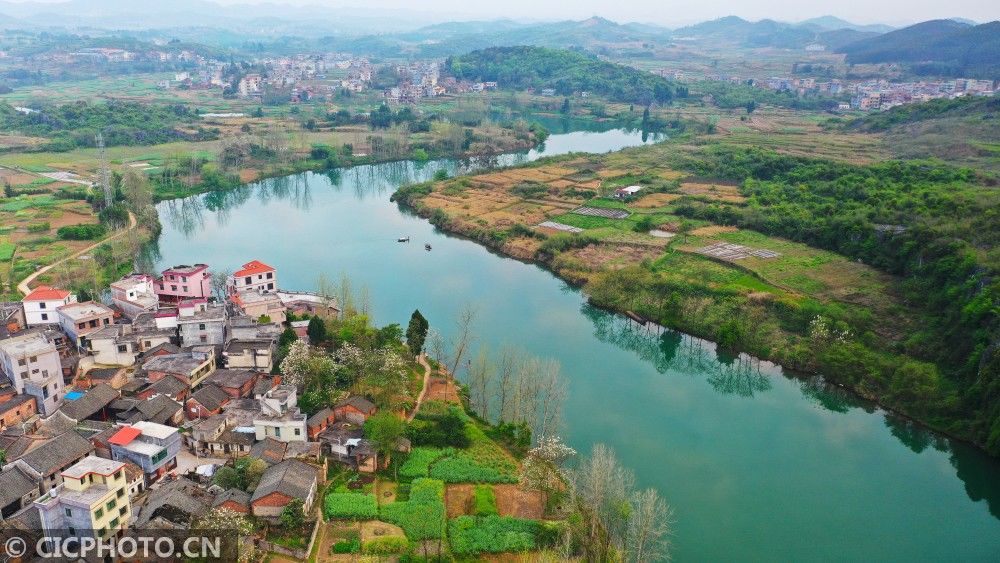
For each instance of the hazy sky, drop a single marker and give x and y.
(673, 12)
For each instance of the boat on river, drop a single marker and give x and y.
(403, 239)
(427, 247)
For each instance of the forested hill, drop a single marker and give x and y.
(936, 47)
(564, 71)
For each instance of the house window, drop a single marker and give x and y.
(201, 326)
(45, 392)
(270, 275)
(111, 504)
(270, 286)
(173, 288)
(277, 431)
(33, 359)
(120, 494)
(22, 362)
(114, 523)
(122, 348)
(98, 514)
(68, 512)
(72, 530)
(107, 321)
(248, 280)
(45, 316)
(41, 305)
(82, 326)
(159, 457)
(203, 338)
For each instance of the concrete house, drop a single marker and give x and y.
(40, 305)
(135, 294)
(201, 324)
(184, 282)
(254, 354)
(282, 482)
(80, 320)
(31, 362)
(254, 276)
(280, 417)
(237, 383)
(260, 304)
(190, 367)
(92, 501)
(151, 446)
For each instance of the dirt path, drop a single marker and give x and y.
(422, 360)
(25, 286)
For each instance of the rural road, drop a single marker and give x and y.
(25, 286)
(422, 359)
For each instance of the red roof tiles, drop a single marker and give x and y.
(46, 293)
(254, 267)
(124, 436)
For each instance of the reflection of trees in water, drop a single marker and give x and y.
(222, 202)
(914, 436)
(667, 350)
(148, 257)
(979, 473)
(185, 215)
(741, 376)
(828, 396)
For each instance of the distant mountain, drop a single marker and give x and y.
(936, 47)
(737, 31)
(833, 23)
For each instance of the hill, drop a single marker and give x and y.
(832, 23)
(564, 71)
(936, 47)
(737, 31)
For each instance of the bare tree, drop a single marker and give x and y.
(480, 381)
(506, 366)
(219, 281)
(603, 488)
(463, 338)
(648, 536)
(552, 393)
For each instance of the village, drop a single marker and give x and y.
(126, 414)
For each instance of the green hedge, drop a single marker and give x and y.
(350, 506)
(470, 535)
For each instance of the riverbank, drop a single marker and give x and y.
(810, 310)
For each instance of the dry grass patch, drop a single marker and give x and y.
(713, 230)
(718, 192)
(671, 174)
(372, 529)
(458, 498)
(561, 184)
(653, 201)
(614, 256)
(611, 173)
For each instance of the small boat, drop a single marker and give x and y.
(427, 247)
(403, 239)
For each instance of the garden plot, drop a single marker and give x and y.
(560, 227)
(728, 194)
(730, 251)
(601, 212)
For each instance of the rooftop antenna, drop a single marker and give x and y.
(105, 172)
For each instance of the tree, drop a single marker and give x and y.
(219, 281)
(384, 430)
(565, 107)
(287, 337)
(648, 536)
(751, 106)
(292, 517)
(295, 366)
(316, 330)
(416, 333)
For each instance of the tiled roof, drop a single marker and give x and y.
(169, 385)
(210, 396)
(253, 267)
(320, 416)
(232, 378)
(291, 477)
(270, 450)
(51, 456)
(358, 402)
(46, 293)
(241, 498)
(95, 399)
(14, 484)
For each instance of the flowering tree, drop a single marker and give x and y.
(295, 366)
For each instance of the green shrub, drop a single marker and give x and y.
(470, 535)
(484, 501)
(464, 468)
(39, 228)
(385, 546)
(81, 232)
(350, 506)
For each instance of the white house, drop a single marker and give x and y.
(40, 305)
(254, 276)
(32, 364)
(280, 417)
(135, 294)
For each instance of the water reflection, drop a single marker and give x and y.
(674, 353)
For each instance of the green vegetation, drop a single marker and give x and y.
(389, 545)
(471, 535)
(122, 123)
(985, 109)
(484, 501)
(350, 506)
(566, 72)
(422, 517)
(419, 461)
(82, 232)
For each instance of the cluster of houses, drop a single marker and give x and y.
(116, 414)
(868, 95)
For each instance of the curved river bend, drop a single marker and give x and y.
(757, 464)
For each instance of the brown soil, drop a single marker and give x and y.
(614, 256)
(512, 500)
(713, 230)
(652, 201)
(458, 498)
(440, 389)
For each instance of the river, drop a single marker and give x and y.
(757, 464)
